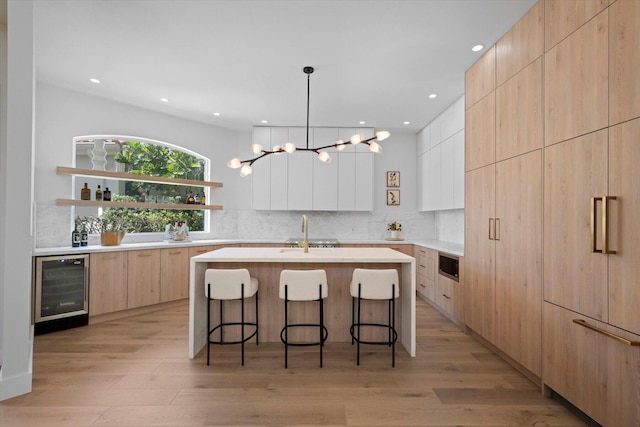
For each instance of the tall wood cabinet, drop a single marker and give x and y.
(143, 277)
(591, 202)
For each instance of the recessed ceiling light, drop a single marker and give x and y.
(216, 114)
(406, 123)
(164, 100)
(264, 121)
(477, 48)
(433, 95)
(93, 80)
(362, 122)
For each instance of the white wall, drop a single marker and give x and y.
(16, 336)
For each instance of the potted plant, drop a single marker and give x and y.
(394, 228)
(110, 229)
(123, 158)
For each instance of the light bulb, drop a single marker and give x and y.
(382, 135)
(246, 170)
(234, 163)
(256, 148)
(324, 156)
(276, 148)
(289, 147)
(356, 139)
(341, 146)
(375, 147)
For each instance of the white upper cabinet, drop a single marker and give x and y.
(300, 181)
(440, 164)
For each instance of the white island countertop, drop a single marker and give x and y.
(277, 257)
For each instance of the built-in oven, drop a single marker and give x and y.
(61, 292)
(449, 266)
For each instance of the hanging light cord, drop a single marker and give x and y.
(320, 151)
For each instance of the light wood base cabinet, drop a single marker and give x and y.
(593, 371)
(107, 282)
(425, 271)
(143, 278)
(174, 274)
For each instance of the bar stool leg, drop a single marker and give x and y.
(358, 340)
(208, 322)
(257, 323)
(321, 321)
(393, 326)
(286, 329)
(242, 325)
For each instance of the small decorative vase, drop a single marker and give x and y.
(98, 155)
(395, 234)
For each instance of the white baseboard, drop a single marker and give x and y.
(15, 386)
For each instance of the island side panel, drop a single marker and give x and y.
(197, 308)
(408, 297)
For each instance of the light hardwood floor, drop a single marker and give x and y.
(135, 372)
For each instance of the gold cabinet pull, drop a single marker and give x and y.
(592, 225)
(496, 233)
(605, 220)
(143, 255)
(606, 333)
(490, 226)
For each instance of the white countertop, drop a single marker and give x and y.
(334, 255)
(449, 247)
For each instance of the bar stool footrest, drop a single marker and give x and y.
(220, 326)
(381, 325)
(325, 334)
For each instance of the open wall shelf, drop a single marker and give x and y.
(63, 170)
(138, 205)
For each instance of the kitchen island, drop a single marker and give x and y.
(266, 264)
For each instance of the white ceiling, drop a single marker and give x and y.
(375, 60)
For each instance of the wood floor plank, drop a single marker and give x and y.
(135, 372)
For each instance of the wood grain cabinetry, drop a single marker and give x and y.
(425, 271)
(480, 133)
(480, 79)
(595, 372)
(143, 278)
(518, 270)
(107, 282)
(576, 82)
(519, 113)
(521, 45)
(449, 295)
(174, 274)
(624, 61)
(563, 17)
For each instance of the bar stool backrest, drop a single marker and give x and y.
(227, 283)
(376, 284)
(302, 285)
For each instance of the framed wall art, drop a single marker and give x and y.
(393, 179)
(393, 197)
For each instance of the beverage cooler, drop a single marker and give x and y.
(61, 292)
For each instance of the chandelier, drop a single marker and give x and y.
(246, 166)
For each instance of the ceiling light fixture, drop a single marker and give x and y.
(246, 166)
(94, 80)
(433, 95)
(216, 114)
(164, 100)
(477, 48)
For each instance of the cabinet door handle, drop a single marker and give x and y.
(175, 253)
(606, 333)
(604, 219)
(446, 296)
(422, 286)
(143, 255)
(496, 233)
(109, 257)
(490, 226)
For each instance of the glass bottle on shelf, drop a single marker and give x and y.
(106, 195)
(196, 199)
(203, 199)
(84, 238)
(85, 193)
(98, 194)
(75, 238)
(190, 199)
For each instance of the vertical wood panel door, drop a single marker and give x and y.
(519, 113)
(519, 259)
(576, 82)
(107, 282)
(480, 79)
(479, 252)
(624, 61)
(624, 265)
(480, 133)
(174, 274)
(563, 17)
(143, 278)
(574, 277)
(521, 45)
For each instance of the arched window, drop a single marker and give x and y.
(139, 156)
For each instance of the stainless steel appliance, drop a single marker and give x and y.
(313, 243)
(448, 265)
(61, 292)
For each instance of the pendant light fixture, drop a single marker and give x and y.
(246, 166)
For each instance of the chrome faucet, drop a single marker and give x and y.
(305, 228)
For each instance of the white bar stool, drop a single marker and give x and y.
(303, 285)
(230, 284)
(367, 284)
